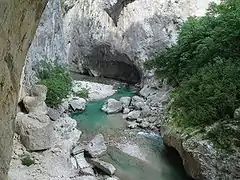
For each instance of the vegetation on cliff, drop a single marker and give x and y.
(204, 68)
(58, 81)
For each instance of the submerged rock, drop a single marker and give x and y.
(97, 146)
(104, 166)
(78, 104)
(112, 106)
(35, 130)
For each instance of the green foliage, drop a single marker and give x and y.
(27, 160)
(58, 82)
(204, 67)
(83, 93)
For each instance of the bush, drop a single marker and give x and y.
(204, 68)
(27, 161)
(83, 93)
(58, 82)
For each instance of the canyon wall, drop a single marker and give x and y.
(18, 22)
(113, 38)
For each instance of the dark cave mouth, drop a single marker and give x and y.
(110, 63)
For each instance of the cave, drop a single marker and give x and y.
(110, 63)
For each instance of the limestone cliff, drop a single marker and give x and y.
(113, 38)
(48, 43)
(18, 22)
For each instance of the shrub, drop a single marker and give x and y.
(204, 68)
(27, 160)
(58, 82)
(83, 93)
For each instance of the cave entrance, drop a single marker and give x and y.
(109, 63)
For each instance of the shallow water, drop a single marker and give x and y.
(155, 162)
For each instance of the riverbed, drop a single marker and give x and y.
(137, 154)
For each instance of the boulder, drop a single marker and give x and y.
(133, 115)
(237, 113)
(78, 104)
(83, 165)
(104, 166)
(137, 102)
(112, 106)
(36, 102)
(35, 130)
(132, 124)
(126, 110)
(144, 125)
(146, 111)
(53, 114)
(125, 101)
(97, 146)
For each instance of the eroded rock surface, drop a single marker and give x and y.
(19, 20)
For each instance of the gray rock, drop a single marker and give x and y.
(97, 146)
(133, 115)
(125, 101)
(126, 110)
(53, 114)
(146, 111)
(35, 103)
(85, 178)
(104, 166)
(35, 130)
(81, 161)
(144, 125)
(137, 102)
(78, 104)
(48, 43)
(79, 148)
(132, 124)
(145, 91)
(112, 106)
(139, 120)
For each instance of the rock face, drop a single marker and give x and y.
(35, 130)
(200, 159)
(48, 43)
(112, 38)
(112, 106)
(19, 20)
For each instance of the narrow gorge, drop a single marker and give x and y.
(79, 101)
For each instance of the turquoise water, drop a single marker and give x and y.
(93, 119)
(161, 164)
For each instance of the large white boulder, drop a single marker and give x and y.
(133, 115)
(78, 104)
(112, 106)
(104, 166)
(35, 130)
(125, 101)
(97, 146)
(36, 102)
